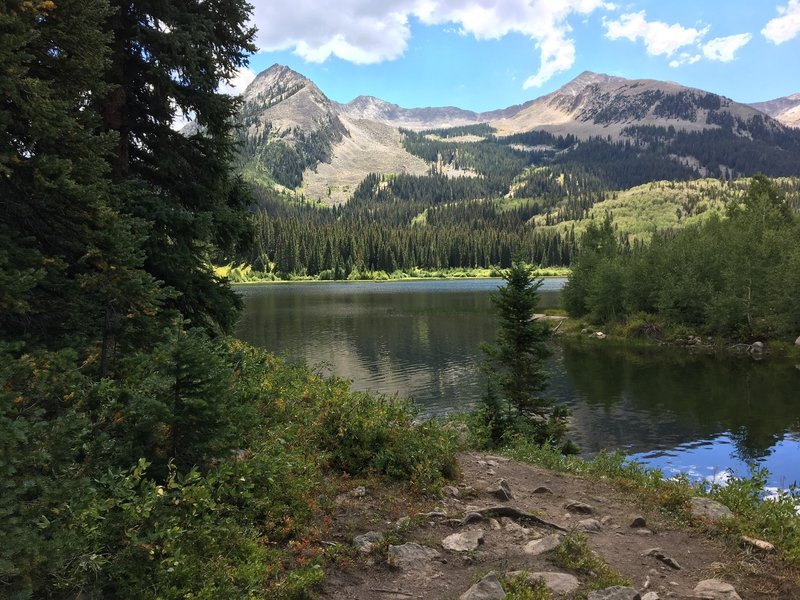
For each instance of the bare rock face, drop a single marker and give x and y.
(463, 542)
(488, 588)
(714, 589)
(710, 509)
(411, 556)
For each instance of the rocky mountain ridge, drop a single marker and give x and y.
(294, 135)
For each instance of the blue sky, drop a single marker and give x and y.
(488, 54)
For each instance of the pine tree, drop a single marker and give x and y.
(513, 404)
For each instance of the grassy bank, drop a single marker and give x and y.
(647, 330)
(240, 274)
(776, 519)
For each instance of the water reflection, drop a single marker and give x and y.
(421, 340)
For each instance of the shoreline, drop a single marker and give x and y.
(393, 280)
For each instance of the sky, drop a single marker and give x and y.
(488, 54)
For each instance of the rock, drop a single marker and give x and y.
(494, 524)
(542, 489)
(463, 542)
(546, 544)
(579, 507)
(488, 588)
(585, 331)
(638, 522)
(560, 584)
(599, 335)
(615, 593)
(651, 596)
(500, 489)
(590, 525)
(658, 554)
(358, 492)
(367, 542)
(797, 341)
(411, 556)
(758, 544)
(714, 589)
(710, 509)
(607, 521)
(403, 522)
(450, 491)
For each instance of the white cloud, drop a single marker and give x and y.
(685, 58)
(659, 38)
(787, 26)
(724, 49)
(239, 82)
(367, 31)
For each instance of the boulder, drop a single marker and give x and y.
(488, 588)
(638, 522)
(500, 489)
(797, 341)
(559, 584)
(710, 509)
(590, 525)
(463, 542)
(714, 589)
(658, 554)
(411, 556)
(450, 491)
(578, 507)
(617, 592)
(367, 542)
(546, 544)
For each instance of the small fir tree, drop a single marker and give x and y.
(513, 403)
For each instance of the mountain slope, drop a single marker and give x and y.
(288, 125)
(786, 109)
(625, 132)
(593, 104)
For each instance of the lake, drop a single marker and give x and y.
(669, 408)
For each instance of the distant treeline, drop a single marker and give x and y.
(387, 230)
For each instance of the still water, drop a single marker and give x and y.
(681, 412)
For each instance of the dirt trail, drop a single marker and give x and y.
(683, 558)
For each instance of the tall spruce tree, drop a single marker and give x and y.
(67, 252)
(167, 59)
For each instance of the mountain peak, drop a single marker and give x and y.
(586, 79)
(276, 75)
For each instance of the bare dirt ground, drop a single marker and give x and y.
(503, 547)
